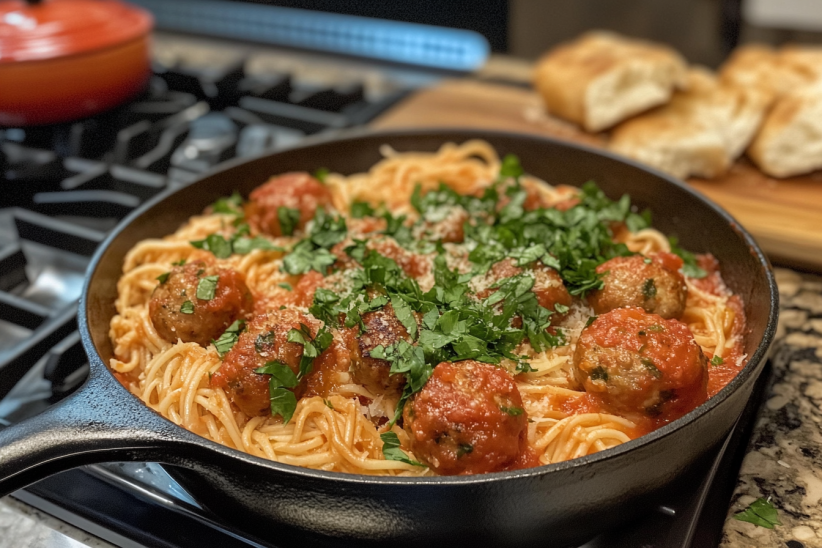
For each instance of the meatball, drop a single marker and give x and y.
(297, 190)
(652, 284)
(178, 313)
(548, 286)
(325, 375)
(550, 291)
(412, 264)
(467, 419)
(636, 362)
(382, 328)
(265, 340)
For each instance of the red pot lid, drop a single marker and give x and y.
(57, 28)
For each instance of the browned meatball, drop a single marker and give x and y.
(382, 328)
(634, 362)
(264, 340)
(550, 291)
(548, 286)
(650, 284)
(297, 190)
(467, 419)
(178, 313)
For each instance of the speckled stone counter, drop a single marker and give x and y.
(784, 456)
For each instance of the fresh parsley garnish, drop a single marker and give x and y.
(513, 411)
(244, 246)
(163, 278)
(207, 287)
(187, 307)
(649, 289)
(239, 243)
(289, 218)
(286, 286)
(216, 244)
(181, 262)
(321, 174)
(311, 347)
(282, 400)
(651, 367)
(599, 373)
(464, 449)
(232, 205)
(229, 337)
(361, 209)
(717, 360)
(690, 267)
(391, 449)
(761, 513)
(312, 253)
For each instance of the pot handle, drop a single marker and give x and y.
(100, 422)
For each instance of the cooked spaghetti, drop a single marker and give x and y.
(442, 313)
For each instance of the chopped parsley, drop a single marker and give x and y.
(599, 374)
(282, 400)
(312, 252)
(361, 209)
(653, 369)
(262, 341)
(232, 205)
(655, 328)
(690, 267)
(761, 513)
(163, 278)
(328, 404)
(391, 449)
(289, 218)
(321, 174)
(229, 337)
(649, 289)
(286, 286)
(311, 347)
(207, 287)
(717, 360)
(239, 243)
(591, 319)
(216, 244)
(181, 262)
(464, 449)
(187, 307)
(513, 411)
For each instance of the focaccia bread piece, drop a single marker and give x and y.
(773, 72)
(790, 140)
(698, 133)
(602, 78)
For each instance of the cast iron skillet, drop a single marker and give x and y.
(551, 505)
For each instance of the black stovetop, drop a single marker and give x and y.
(65, 187)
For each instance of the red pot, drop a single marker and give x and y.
(66, 59)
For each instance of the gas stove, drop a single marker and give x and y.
(65, 187)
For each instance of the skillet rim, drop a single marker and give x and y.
(754, 362)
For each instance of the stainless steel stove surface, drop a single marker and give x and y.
(65, 187)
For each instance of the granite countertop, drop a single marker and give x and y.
(784, 456)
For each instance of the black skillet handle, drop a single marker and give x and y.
(100, 422)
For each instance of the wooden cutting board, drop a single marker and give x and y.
(784, 215)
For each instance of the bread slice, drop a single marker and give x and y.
(602, 78)
(698, 133)
(770, 71)
(790, 140)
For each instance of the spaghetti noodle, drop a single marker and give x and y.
(342, 429)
